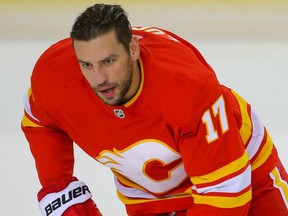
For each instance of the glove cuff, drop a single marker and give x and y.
(56, 203)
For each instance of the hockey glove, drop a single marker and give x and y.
(69, 197)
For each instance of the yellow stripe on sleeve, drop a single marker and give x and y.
(26, 122)
(222, 172)
(223, 202)
(29, 92)
(246, 126)
(264, 153)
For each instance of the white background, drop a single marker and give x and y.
(246, 44)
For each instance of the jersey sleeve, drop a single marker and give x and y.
(214, 157)
(51, 147)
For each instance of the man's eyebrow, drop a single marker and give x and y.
(83, 62)
(109, 57)
(103, 60)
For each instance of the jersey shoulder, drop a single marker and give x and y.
(185, 84)
(56, 71)
(166, 44)
(59, 59)
(170, 57)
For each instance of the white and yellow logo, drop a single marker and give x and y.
(149, 163)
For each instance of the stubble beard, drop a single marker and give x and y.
(122, 87)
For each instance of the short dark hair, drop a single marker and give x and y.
(100, 19)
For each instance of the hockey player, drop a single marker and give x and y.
(148, 106)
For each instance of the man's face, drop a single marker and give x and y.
(107, 66)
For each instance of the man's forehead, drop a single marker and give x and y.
(98, 49)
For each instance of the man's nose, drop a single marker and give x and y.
(99, 75)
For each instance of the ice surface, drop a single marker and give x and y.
(255, 66)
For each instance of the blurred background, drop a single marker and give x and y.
(246, 42)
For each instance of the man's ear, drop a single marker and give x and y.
(134, 48)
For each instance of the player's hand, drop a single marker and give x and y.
(68, 197)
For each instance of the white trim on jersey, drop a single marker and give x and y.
(257, 135)
(27, 107)
(280, 184)
(233, 185)
(132, 192)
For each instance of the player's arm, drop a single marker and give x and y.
(52, 149)
(215, 158)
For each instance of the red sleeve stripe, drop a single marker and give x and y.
(235, 184)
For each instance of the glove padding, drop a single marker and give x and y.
(68, 197)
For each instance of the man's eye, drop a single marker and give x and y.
(108, 61)
(85, 65)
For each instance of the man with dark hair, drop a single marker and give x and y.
(145, 103)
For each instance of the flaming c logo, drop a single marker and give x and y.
(149, 163)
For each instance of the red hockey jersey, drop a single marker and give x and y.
(182, 142)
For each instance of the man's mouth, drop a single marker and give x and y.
(107, 92)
